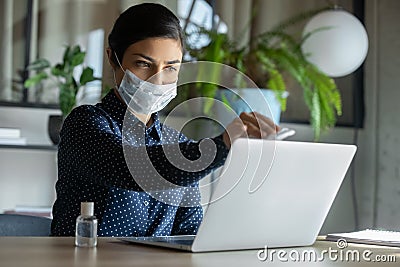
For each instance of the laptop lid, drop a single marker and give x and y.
(272, 193)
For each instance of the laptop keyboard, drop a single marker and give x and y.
(182, 240)
(186, 240)
(177, 241)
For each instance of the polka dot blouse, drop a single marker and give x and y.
(143, 180)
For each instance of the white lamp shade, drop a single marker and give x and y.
(339, 44)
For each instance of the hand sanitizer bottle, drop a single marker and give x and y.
(86, 226)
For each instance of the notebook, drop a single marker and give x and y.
(269, 193)
(368, 236)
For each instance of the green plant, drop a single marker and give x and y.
(63, 75)
(269, 59)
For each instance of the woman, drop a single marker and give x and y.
(145, 40)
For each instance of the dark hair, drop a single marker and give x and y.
(140, 22)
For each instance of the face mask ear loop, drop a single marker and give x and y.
(115, 79)
(119, 63)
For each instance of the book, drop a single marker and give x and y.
(38, 214)
(368, 236)
(24, 208)
(10, 132)
(42, 211)
(13, 141)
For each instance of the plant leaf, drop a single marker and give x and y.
(67, 99)
(67, 54)
(39, 64)
(87, 76)
(77, 59)
(34, 80)
(316, 116)
(58, 70)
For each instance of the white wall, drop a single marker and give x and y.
(380, 180)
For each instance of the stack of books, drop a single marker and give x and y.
(11, 136)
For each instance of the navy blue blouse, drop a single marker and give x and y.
(97, 163)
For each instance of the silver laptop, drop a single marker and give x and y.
(268, 193)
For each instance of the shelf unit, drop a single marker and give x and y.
(30, 147)
(27, 175)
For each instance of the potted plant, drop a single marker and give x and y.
(269, 60)
(62, 74)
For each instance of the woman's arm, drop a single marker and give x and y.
(187, 220)
(91, 144)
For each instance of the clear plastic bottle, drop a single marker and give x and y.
(86, 226)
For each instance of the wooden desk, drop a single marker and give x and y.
(60, 252)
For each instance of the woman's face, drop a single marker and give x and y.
(146, 58)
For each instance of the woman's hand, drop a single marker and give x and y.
(251, 124)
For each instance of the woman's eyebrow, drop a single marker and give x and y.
(153, 60)
(145, 57)
(172, 61)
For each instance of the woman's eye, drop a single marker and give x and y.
(143, 64)
(171, 68)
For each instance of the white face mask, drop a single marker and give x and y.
(144, 97)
